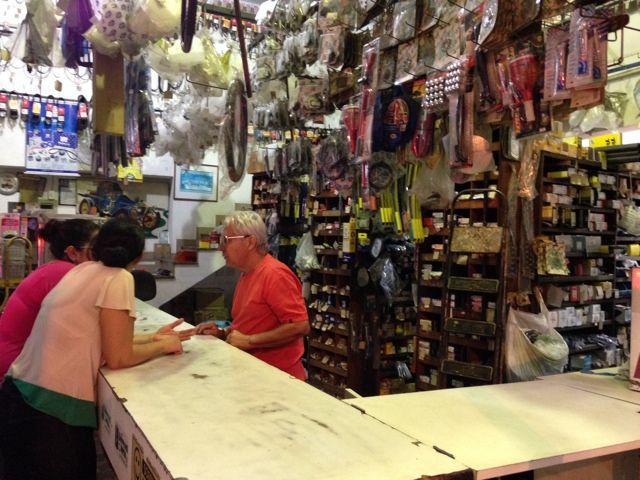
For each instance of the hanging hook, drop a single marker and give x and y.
(437, 19)
(391, 36)
(432, 67)
(463, 6)
(415, 29)
(451, 56)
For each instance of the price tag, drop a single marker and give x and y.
(608, 140)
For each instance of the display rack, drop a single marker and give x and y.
(471, 347)
(332, 308)
(578, 210)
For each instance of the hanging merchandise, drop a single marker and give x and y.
(523, 72)
(459, 114)
(77, 21)
(350, 118)
(382, 171)
(383, 272)
(336, 12)
(404, 19)
(4, 104)
(140, 123)
(333, 157)
(51, 143)
(332, 47)
(524, 13)
(36, 36)
(155, 18)
(555, 72)
(423, 139)
(233, 137)
(486, 67)
(313, 96)
(587, 57)
(14, 106)
(399, 120)
(531, 114)
(83, 113)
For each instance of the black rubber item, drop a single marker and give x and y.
(189, 10)
(380, 175)
(235, 137)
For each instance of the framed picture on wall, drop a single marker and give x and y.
(199, 183)
(67, 193)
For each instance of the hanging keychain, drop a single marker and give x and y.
(4, 100)
(24, 109)
(14, 106)
(36, 109)
(83, 113)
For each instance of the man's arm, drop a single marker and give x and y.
(276, 337)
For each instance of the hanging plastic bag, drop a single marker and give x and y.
(155, 18)
(384, 273)
(533, 347)
(630, 219)
(306, 258)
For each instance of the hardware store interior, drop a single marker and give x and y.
(438, 200)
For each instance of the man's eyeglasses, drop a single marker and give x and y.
(225, 238)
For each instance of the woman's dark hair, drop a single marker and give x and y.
(119, 242)
(59, 234)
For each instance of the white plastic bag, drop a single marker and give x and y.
(306, 258)
(155, 18)
(526, 359)
(630, 219)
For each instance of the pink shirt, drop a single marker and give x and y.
(266, 297)
(22, 309)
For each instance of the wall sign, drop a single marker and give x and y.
(199, 183)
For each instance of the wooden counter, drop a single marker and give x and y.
(217, 412)
(504, 429)
(602, 382)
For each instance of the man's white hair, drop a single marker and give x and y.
(248, 222)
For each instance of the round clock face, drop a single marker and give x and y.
(8, 183)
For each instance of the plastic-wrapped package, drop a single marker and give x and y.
(35, 37)
(555, 70)
(384, 273)
(530, 161)
(306, 258)
(598, 117)
(433, 186)
(155, 18)
(370, 63)
(587, 58)
(404, 22)
(332, 43)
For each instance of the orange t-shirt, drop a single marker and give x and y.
(269, 296)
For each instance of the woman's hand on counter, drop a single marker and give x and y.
(168, 329)
(210, 328)
(170, 343)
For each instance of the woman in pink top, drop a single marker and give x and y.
(69, 243)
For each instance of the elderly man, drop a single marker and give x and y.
(269, 314)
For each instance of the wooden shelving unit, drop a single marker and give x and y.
(581, 215)
(333, 364)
